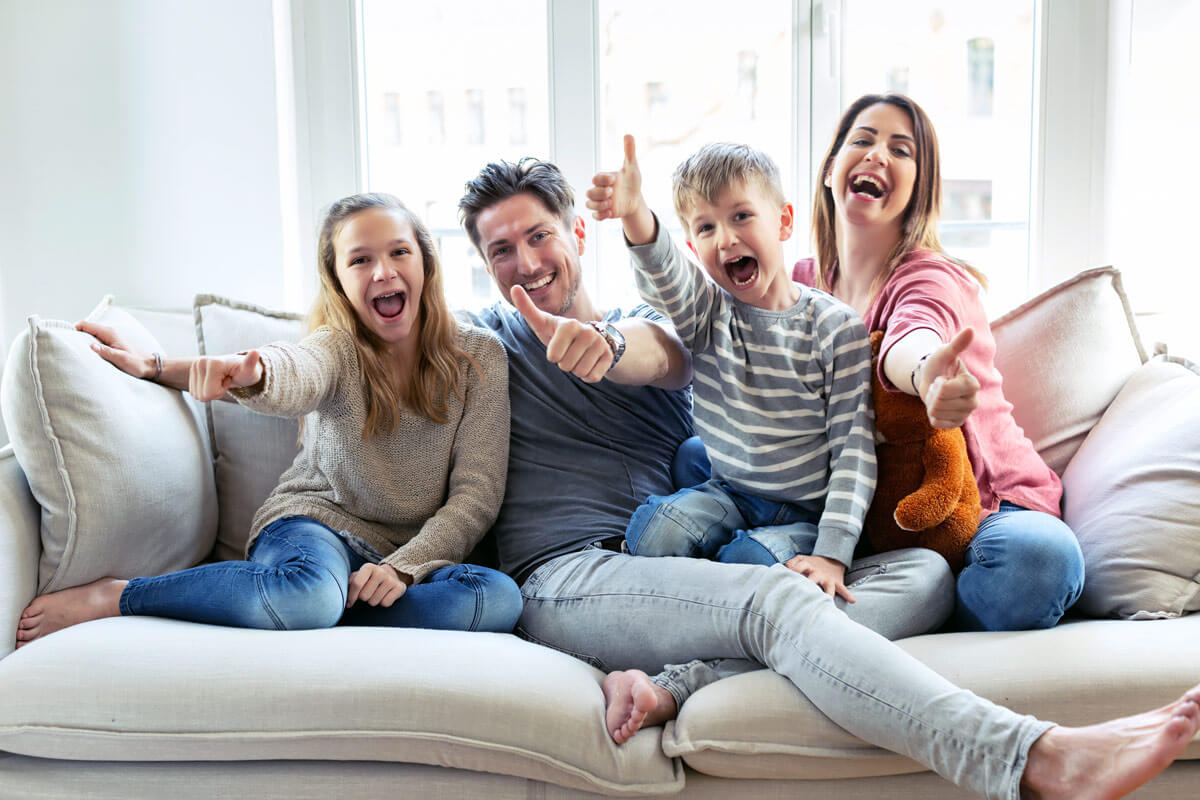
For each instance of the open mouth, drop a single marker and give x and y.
(390, 306)
(867, 186)
(742, 270)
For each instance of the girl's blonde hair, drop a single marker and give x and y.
(438, 370)
(919, 230)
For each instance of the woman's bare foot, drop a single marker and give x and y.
(632, 702)
(1110, 760)
(57, 610)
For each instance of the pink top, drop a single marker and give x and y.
(928, 291)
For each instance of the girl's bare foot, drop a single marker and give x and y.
(1110, 760)
(632, 702)
(57, 610)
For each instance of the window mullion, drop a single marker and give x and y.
(572, 31)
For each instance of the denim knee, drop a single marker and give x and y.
(658, 529)
(490, 601)
(745, 549)
(1021, 574)
(302, 596)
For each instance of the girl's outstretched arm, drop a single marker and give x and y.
(112, 348)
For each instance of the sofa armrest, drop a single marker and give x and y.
(20, 547)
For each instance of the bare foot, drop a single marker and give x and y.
(1110, 760)
(57, 610)
(632, 702)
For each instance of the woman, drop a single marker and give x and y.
(875, 228)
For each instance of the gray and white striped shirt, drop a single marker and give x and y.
(782, 398)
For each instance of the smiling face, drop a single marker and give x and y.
(525, 244)
(738, 240)
(382, 273)
(873, 174)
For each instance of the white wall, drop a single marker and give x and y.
(138, 154)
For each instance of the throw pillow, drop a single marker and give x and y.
(117, 464)
(1064, 356)
(250, 450)
(1132, 496)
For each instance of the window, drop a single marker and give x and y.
(393, 133)
(981, 71)
(565, 79)
(516, 116)
(474, 117)
(984, 126)
(451, 72)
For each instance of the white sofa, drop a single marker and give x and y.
(107, 475)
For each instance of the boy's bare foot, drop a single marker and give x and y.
(57, 610)
(632, 702)
(1110, 760)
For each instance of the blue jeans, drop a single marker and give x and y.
(618, 611)
(715, 520)
(1023, 571)
(297, 577)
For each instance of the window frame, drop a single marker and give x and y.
(1067, 200)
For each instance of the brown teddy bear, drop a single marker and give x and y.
(926, 494)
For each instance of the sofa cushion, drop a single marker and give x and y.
(118, 465)
(1064, 356)
(1132, 496)
(250, 450)
(757, 725)
(146, 689)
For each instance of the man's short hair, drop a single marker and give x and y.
(501, 180)
(716, 166)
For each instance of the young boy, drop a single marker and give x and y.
(782, 373)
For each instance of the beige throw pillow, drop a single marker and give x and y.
(1064, 356)
(117, 464)
(1132, 496)
(250, 450)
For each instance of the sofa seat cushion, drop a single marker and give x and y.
(146, 689)
(757, 725)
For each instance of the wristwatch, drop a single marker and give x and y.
(613, 337)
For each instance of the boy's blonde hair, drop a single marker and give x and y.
(717, 166)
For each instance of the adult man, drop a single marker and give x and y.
(593, 438)
(588, 445)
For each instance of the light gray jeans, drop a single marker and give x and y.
(617, 611)
(897, 594)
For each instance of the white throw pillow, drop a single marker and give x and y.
(250, 450)
(1064, 356)
(1132, 496)
(117, 464)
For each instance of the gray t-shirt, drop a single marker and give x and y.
(581, 456)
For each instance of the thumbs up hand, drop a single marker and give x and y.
(575, 346)
(949, 391)
(619, 195)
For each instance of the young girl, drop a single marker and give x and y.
(402, 472)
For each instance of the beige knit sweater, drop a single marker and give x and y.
(422, 496)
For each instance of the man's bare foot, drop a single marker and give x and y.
(632, 702)
(1110, 760)
(57, 610)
